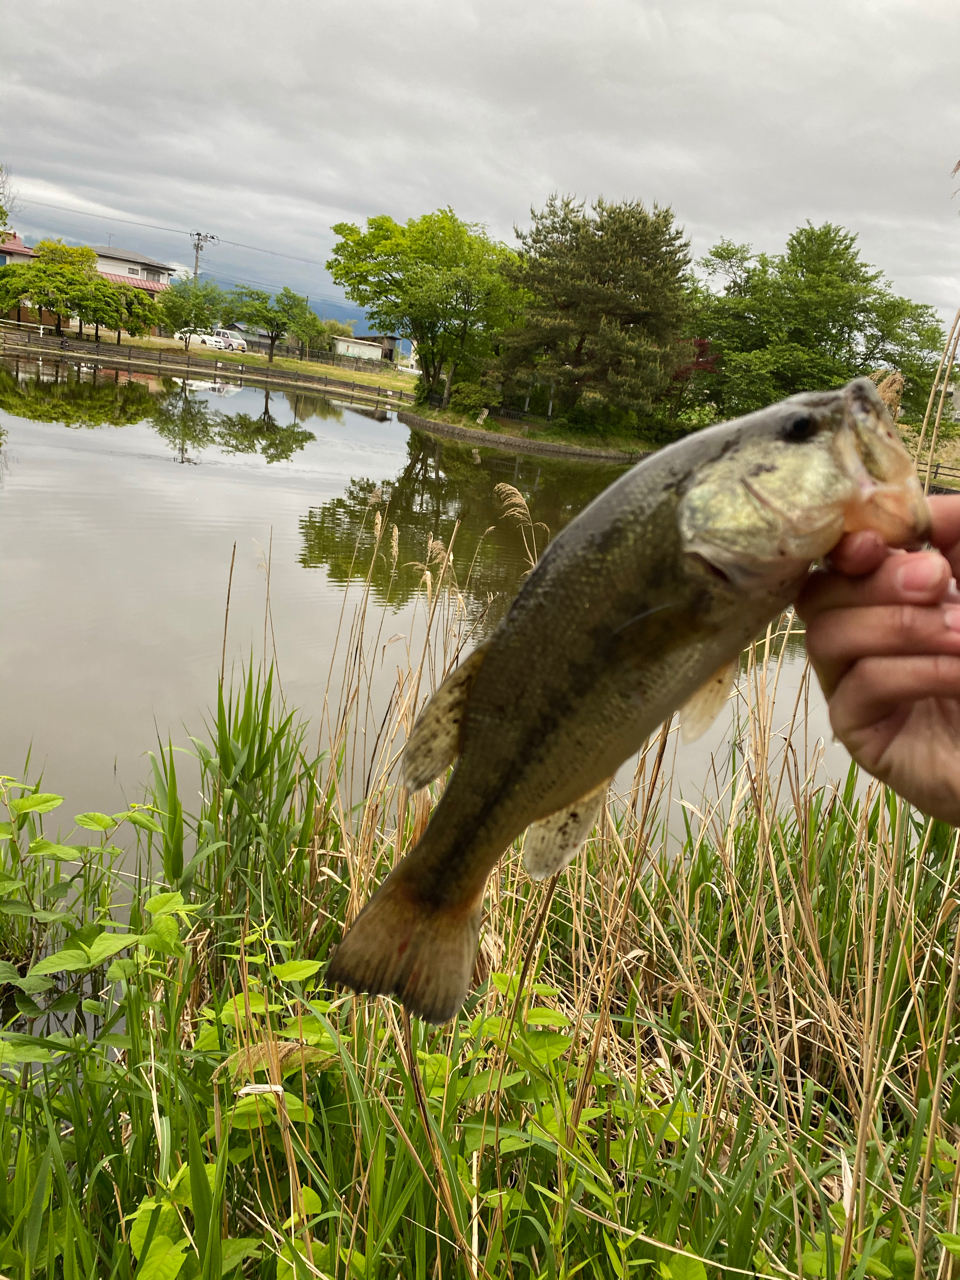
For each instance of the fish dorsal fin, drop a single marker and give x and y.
(434, 743)
(553, 842)
(699, 712)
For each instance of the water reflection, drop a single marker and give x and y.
(179, 410)
(442, 488)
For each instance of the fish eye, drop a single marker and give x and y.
(798, 429)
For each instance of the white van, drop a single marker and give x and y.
(231, 341)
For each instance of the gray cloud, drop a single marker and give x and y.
(266, 124)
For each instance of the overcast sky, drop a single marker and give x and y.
(266, 123)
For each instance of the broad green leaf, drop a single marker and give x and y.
(682, 1267)
(108, 944)
(94, 821)
(9, 886)
(93, 1006)
(261, 1108)
(234, 1251)
(163, 1260)
(15, 1055)
(56, 852)
(166, 1225)
(540, 1017)
(26, 1005)
(9, 972)
(65, 1003)
(123, 970)
(139, 819)
(69, 960)
(17, 908)
(164, 936)
(42, 802)
(163, 904)
(295, 970)
(950, 1242)
(6, 830)
(33, 985)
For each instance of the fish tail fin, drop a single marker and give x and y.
(400, 945)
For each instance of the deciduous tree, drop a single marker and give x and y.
(436, 280)
(807, 319)
(287, 312)
(190, 307)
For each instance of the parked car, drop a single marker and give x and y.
(231, 341)
(202, 339)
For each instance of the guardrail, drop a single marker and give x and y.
(178, 363)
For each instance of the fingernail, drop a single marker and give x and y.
(953, 591)
(920, 574)
(951, 617)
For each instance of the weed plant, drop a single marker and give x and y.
(733, 1055)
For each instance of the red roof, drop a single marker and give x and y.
(138, 282)
(10, 242)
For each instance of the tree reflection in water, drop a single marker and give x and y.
(444, 486)
(175, 408)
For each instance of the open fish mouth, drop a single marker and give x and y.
(762, 512)
(887, 495)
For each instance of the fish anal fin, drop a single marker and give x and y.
(699, 711)
(434, 742)
(553, 841)
(401, 946)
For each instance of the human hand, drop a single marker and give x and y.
(883, 635)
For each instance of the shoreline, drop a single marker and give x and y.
(515, 444)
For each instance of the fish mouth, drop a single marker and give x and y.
(886, 494)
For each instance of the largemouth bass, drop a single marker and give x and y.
(640, 607)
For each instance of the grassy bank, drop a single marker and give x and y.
(735, 1060)
(538, 429)
(381, 374)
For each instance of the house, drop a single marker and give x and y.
(126, 266)
(12, 249)
(388, 343)
(358, 348)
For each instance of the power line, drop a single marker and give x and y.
(177, 231)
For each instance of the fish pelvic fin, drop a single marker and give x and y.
(701, 709)
(399, 945)
(434, 742)
(554, 841)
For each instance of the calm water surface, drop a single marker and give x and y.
(120, 502)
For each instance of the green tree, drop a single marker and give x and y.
(606, 307)
(243, 433)
(190, 307)
(54, 253)
(139, 310)
(287, 312)
(436, 280)
(64, 290)
(8, 198)
(805, 320)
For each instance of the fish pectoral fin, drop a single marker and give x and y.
(699, 712)
(434, 743)
(553, 841)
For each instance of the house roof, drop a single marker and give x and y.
(138, 282)
(10, 242)
(127, 255)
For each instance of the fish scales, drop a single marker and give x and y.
(643, 600)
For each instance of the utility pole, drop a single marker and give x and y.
(199, 240)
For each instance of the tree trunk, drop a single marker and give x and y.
(59, 325)
(273, 343)
(118, 335)
(446, 389)
(80, 327)
(96, 332)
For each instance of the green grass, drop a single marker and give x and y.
(733, 1059)
(538, 429)
(382, 375)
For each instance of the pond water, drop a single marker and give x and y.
(121, 498)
